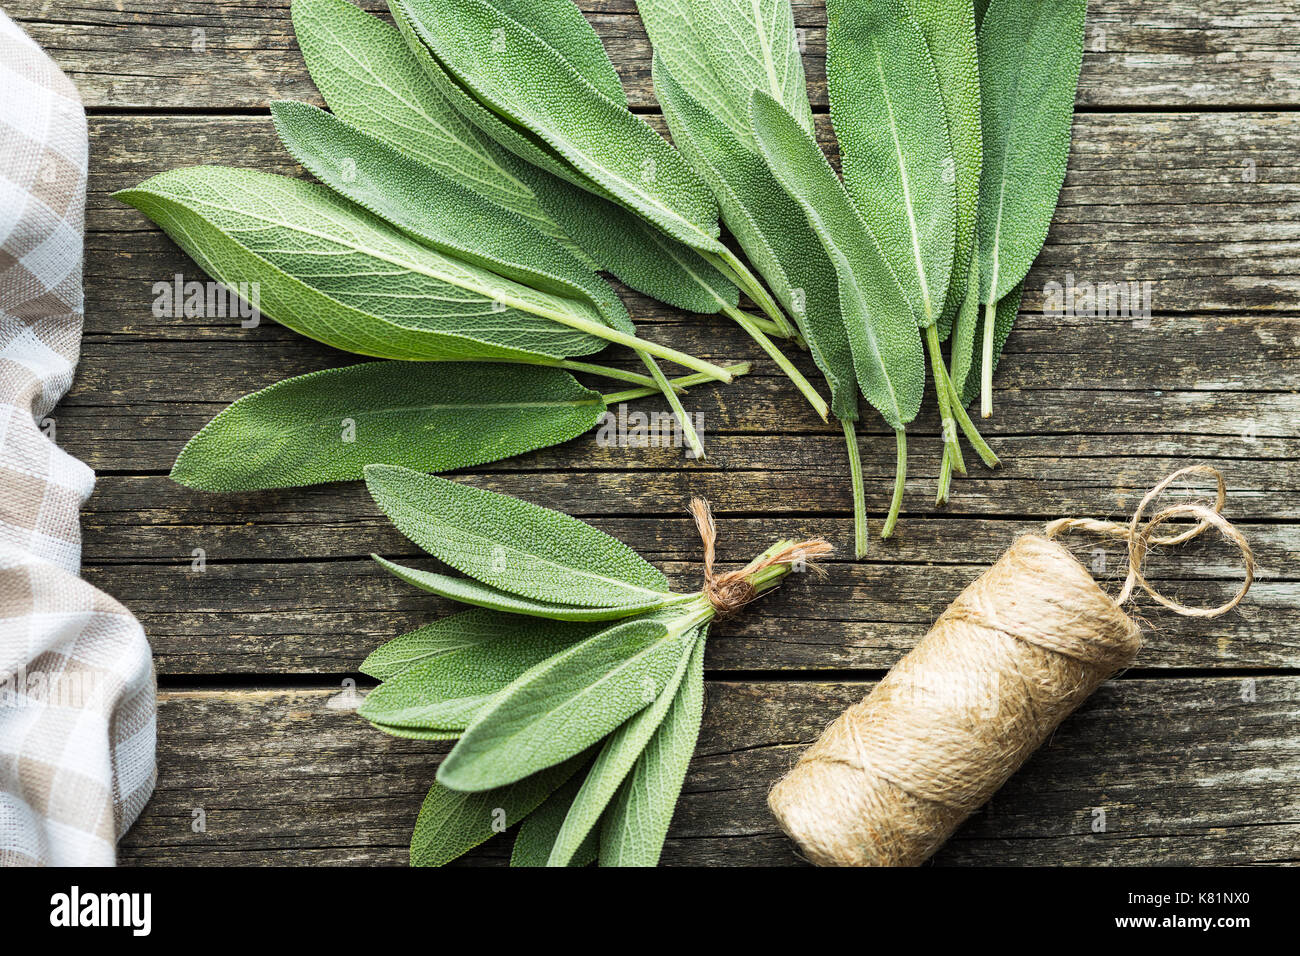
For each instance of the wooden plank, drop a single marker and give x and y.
(263, 617)
(133, 524)
(1186, 771)
(212, 55)
(1224, 386)
(283, 569)
(1156, 198)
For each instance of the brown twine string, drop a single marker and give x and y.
(1023, 646)
(1140, 539)
(731, 591)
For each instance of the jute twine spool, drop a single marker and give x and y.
(1022, 647)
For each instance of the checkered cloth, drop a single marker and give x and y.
(76, 678)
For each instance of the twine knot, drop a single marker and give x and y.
(1141, 537)
(732, 590)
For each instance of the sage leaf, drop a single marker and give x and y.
(450, 690)
(372, 80)
(771, 228)
(566, 704)
(949, 28)
(452, 823)
(457, 221)
(896, 156)
(436, 210)
(614, 153)
(523, 143)
(639, 254)
(1030, 52)
(636, 825)
(881, 327)
(562, 27)
(417, 733)
(606, 234)
(965, 331)
(335, 273)
(601, 232)
(469, 591)
(720, 51)
(328, 425)
(513, 545)
(612, 765)
(520, 76)
(450, 634)
(538, 831)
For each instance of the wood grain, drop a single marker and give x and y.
(1156, 198)
(215, 54)
(1185, 771)
(325, 617)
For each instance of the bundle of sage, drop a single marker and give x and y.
(480, 165)
(938, 131)
(574, 688)
(427, 241)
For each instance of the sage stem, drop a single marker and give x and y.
(675, 403)
(900, 479)
(943, 391)
(986, 371)
(860, 535)
(604, 371)
(945, 479)
(638, 344)
(800, 382)
(767, 578)
(679, 384)
(739, 273)
(971, 432)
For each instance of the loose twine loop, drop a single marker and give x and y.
(731, 591)
(1016, 653)
(1140, 539)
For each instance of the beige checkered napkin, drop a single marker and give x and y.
(76, 678)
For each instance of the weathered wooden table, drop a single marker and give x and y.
(1185, 172)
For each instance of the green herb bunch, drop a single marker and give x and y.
(479, 167)
(953, 147)
(574, 688)
(425, 240)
